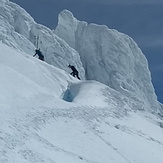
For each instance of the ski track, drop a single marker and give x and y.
(25, 128)
(58, 149)
(110, 145)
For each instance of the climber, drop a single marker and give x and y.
(39, 53)
(74, 71)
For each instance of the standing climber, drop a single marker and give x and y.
(74, 71)
(39, 53)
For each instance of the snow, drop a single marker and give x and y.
(19, 30)
(49, 116)
(97, 126)
(109, 57)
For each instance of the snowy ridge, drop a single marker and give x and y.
(50, 117)
(97, 52)
(19, 30)
(110, 57)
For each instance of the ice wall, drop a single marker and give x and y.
(110, 57)
(19, 30)
(98, 52)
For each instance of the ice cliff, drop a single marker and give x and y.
(99, 53)
(19, 30)
(109, 57)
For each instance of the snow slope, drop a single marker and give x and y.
(38, 124)
(50, 117)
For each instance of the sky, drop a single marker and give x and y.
(140, 19)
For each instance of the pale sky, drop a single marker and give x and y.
(140, 19)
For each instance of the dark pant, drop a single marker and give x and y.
(75, 74)
(41, 58)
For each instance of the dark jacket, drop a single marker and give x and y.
(40, 55)
(74, 71)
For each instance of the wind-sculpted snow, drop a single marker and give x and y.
(20, 31)
(76, 93)
(110, 57)
(97, 52)
(48, 116)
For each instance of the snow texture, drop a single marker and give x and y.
(109, 57)
(19, 30)
(48, 116)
